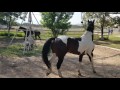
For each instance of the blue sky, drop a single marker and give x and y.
(76, 19)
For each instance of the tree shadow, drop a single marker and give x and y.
(21, 69)
(115, 42)
(104, 70)
(29, 67)
(101, 42)
(108, 57)
(106, 42)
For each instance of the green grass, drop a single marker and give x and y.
(113, 42)
(46, 35)
(16, 50)
(115, 37)
(12, 33)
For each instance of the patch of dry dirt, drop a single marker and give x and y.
(107, 65)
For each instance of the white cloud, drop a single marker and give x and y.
(36, 14)
(76, 19)
(114, 15)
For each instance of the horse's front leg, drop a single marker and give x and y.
(90, 55)
(80, 65)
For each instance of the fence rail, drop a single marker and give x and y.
(105, 33)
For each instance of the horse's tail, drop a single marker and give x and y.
(45, 51)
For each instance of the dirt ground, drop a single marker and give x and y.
(107, 65)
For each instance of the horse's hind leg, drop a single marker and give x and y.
(48, 72)
(39, 37)
(60, 60)
(90, 55)
(52, 58)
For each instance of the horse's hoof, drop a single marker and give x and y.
(61, 76)
(80, 75)
(94, 72)
(47, 73)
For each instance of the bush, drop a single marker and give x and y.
(20, 35)
(11, 34)
(5, 34)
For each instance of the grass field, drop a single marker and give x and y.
(114, 41)
(17, 48)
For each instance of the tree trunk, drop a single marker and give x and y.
(9, 26)
(54, 32)
(102, 38)
(102, 27)
(8, 29)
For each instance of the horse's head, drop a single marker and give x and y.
(22, 28)
(90, 26)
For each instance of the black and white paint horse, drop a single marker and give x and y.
(63, 44)
(37, 33)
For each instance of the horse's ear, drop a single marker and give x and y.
(93, 20)
(88, 20)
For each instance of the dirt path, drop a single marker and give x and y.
(107, 64)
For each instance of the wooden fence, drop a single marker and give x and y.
(105, 34)
(78, 33)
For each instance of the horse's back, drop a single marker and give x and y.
(63, 38)
(37, 33)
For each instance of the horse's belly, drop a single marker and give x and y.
(74, 52)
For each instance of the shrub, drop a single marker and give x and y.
(20, 35)
(5, 34)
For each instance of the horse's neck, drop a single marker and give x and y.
(87, 36)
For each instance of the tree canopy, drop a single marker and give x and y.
(9, 18)
(102, 19)
(57, 22)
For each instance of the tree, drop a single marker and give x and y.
(2, 21)
(102, 18)
(57, 22)
(9, 18)
(116, 20)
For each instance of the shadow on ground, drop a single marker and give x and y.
(33, 67)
